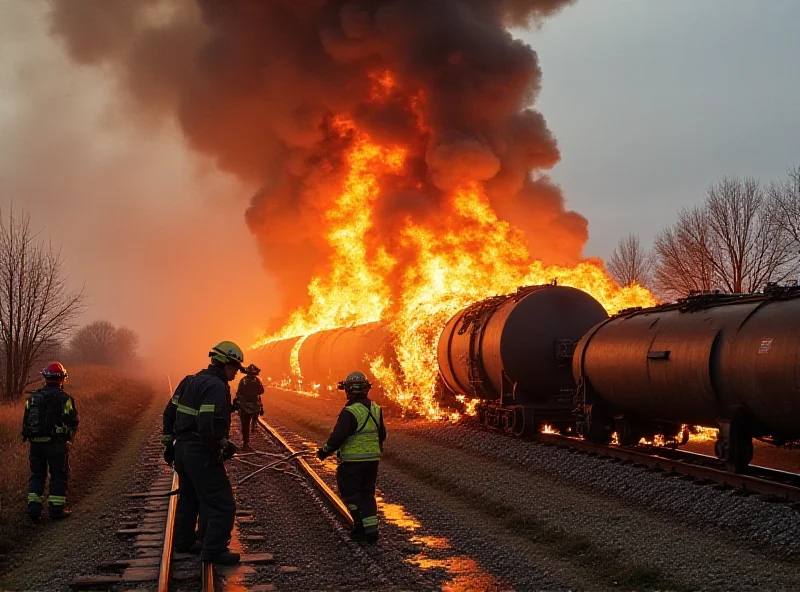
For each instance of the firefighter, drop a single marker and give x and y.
(248, 402)
(49, 424)
(357, 440)
(197, 421)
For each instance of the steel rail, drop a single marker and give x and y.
(755, 471)
(166, 551)
(759, 483)
(316, 480)
(208, 576)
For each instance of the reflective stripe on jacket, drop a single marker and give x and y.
(67, 422)
(363, 445)
(200, 409)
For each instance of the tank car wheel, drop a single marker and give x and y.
(736, 455)
(734, 445)
(628, 434)
(598, 428)
(481, 415)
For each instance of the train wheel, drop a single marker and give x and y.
(598, 428)
(734, 445)
(628, 433)
(736, 455)
(482, 416)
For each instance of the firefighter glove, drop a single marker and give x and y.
(169, 454)
(228, 450)
(261, 409)
(236, 404)
(322, 454)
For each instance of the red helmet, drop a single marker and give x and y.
(55, 371)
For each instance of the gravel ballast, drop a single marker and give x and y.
(302, 532)
(536, 516)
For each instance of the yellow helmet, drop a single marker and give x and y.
(227, 352)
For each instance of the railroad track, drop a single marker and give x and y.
(772, 483)
(165, 568)
(332, 498)
(154, 540)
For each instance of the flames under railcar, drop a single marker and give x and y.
(326, 357)
(731, 361)
(514, 352)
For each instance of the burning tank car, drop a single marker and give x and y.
(726, 360)
(514, 353)
(324, 358)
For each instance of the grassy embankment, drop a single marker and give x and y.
(108, 403)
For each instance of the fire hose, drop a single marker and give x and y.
(251, 475)
(273, 464)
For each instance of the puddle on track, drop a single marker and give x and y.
(464, 572)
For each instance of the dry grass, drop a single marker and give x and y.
(108, 404)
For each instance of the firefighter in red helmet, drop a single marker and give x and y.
(49, 424)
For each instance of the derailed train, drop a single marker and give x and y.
(324, 357)
(551, 355)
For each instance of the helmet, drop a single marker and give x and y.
(55, 371)
(355, 383)
(253, 370)
(227, 352)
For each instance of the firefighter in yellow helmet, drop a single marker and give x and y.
(197, 423)
(358, 440)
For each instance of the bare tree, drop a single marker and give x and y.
(102, 343)
(36, 307)
(126, 346)
(786, 199)
(682, 254)
(630, 263)
(733, 243)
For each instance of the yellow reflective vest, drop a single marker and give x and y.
(364, 444)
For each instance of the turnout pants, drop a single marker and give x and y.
(205, 491)
(356, 482)
(52, 455)
(248, 420)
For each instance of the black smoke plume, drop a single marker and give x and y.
(256, 85)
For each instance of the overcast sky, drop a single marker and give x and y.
(653, 100)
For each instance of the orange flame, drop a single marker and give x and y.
(467, 255)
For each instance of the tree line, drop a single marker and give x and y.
(39, 313)
(743, 236)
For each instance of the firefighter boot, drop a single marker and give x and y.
(224, 558)
(357, 532)
(194, 549)
(35, 511)
(59, 514)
